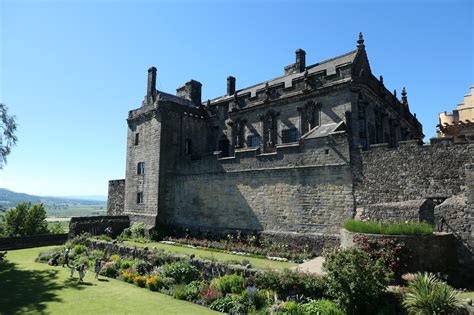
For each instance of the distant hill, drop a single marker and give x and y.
(9, 199)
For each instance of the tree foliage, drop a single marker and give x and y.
(7, 134)
(25, 220)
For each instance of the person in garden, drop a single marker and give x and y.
(81, 269)
(97, 265)
(66, 257)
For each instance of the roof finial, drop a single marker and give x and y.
(381, 80)
(360, 42)
(404, 96)
(395, 93)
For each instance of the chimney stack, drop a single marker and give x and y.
(191, 90)
(151, 86)
(300, 60)
(230, 85)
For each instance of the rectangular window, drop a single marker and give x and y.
(289, 135)
(137, 138)
(253, 141)
(139, 197)
(141, 168)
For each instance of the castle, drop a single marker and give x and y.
(296, 155)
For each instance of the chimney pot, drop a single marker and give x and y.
(230, 85)
(300, 60)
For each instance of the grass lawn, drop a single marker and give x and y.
(259, 263)
(27, 287)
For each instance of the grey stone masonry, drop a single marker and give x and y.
(116, 196)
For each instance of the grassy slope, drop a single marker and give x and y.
(259, 263)
(29, 287)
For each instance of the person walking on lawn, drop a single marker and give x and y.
(66, 257)
(97, 265)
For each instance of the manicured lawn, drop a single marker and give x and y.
(259, 263)
(27, 287)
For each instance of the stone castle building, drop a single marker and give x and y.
(295, 156)
(459, 123)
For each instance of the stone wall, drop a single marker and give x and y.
(9, 243)
(435, 253)
(411, 172)
(97, 225)
(421, 210)
(303, 188)
(209, 269)
(115, 201)
(441, 171)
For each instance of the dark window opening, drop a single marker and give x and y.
(141, 168)
(137, 138)
(224, 147)
(139, 197)
(187, 147)
(253, 141)
(326, 151)
(289, 135)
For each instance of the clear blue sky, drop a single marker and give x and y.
(71, 70)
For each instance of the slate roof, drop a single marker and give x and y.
(163, 96)
(328, 65)
(324, 130)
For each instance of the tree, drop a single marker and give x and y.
(24, 220)
(7, 134)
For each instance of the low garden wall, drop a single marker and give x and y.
(9, 243)
(435, 253)
(97, 225)
(314, 243)
(210, 269)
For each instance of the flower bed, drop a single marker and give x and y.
(355, 280)
(435, 252)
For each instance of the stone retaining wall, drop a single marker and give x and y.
(9, 243)
(435, 253)
(210, 269)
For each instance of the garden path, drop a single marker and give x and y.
(314, 265)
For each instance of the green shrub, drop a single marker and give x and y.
(229, 284)
(179, 292)
(428, 295)
(193, 289)
(209, 294)
(229, 304)
(44, 257)
(377, 227)
(127, 263)
(140, 267)
(98, 254)
(161, 257)
(291, 308)
(138, 230)
(291, 282)
(125, 235)
(79, 249)
(354, 280)
(116, 259)
(109, 270)
(322, 307)
(104, 237)
(181, 271)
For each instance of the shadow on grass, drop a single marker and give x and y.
(22, 290)
(75, 284)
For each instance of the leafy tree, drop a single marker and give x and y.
(25, 220)
(35, 222)
(7, 134)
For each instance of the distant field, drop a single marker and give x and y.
(69, 211)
